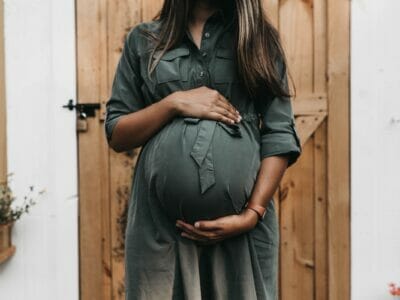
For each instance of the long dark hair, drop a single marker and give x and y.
(257, 40)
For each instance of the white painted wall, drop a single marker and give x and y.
(40, 78)
(375, 147)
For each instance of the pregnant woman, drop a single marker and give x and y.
(203, 89)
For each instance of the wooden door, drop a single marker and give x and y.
(313, 199)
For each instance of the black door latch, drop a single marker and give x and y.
(84, 109)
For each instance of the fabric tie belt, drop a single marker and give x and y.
(202, 152)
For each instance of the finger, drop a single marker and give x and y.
(188, 228)
(227, 105)
(222, 98)
(208, 225)
(220, 117)
(228, 114)
(191, 233)
(194, 231)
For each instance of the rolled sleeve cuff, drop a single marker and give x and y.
(281, 144)
(109, 127)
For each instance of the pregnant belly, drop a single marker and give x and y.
(202, 169)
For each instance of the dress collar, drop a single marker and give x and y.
(220, 16)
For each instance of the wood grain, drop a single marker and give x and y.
(297, 228)
(94, 204)
(307, 125)
(313, 104)
(271, 8)
(296, 29)
(320, 49)
(338, 149)
(315, 35)
(150, 8)
(321, 219)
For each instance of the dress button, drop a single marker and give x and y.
(207, 35)
(204, 54)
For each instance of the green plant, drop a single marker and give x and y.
(8, 213)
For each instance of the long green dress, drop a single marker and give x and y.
(195, 169)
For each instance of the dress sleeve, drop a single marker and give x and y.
(126, 94)
(278, 132)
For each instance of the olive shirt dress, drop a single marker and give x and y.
(159, 262)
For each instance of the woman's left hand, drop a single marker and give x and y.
(212, 231)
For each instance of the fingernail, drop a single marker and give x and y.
(197, 224)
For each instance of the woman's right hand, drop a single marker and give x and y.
(205, 103)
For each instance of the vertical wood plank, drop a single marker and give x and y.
(123, 15)
(150, 9)
(320, 199)
(319, 63)
(95, 269)
(320, 154)
(296, 27)
(271, 8)
(338, 149)
(297, 228)
(3, 119)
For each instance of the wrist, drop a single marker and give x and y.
(172, 100)
(257, 208)
(251, 217)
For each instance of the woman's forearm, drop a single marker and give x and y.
(269, 176)
(134, 129)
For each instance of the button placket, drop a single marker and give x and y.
(203, 78)
(203, 54)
